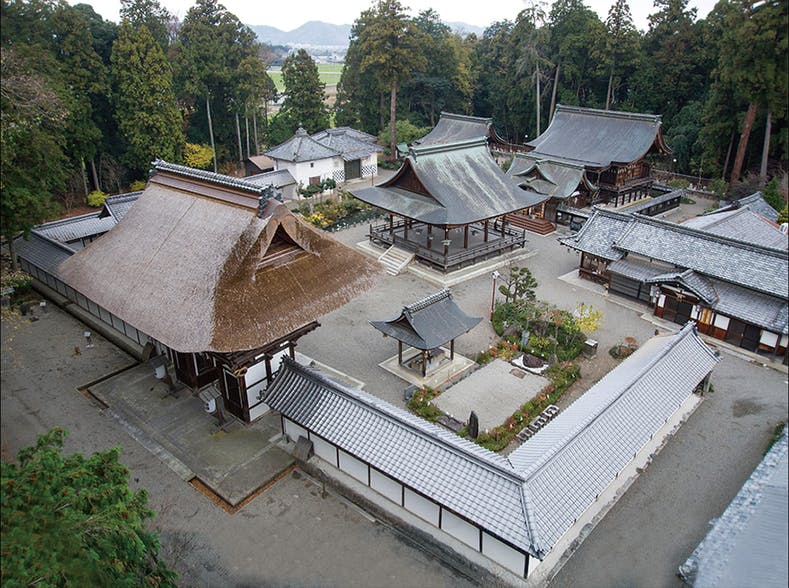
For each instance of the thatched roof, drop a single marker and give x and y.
(194, 266)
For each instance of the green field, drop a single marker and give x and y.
(329, 74)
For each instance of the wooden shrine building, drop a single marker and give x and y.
(425, 326)
(566, 186)
(448, 205)
(218, 277)
(611, 146)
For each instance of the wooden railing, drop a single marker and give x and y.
(384, 234)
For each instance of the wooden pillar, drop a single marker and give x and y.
(269, 371)
(400, 352)
(503, 225)
(405, 230)
(452, 350)
(486, 231)
(465, 237)
(391, 224)
(429, 236)
(446, 245)
(424, 363)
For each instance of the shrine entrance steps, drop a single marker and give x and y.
(540, 226)
(395, 259)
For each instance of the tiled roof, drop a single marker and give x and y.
(758, 309)
(747, 544)
(474, 482)
(76, 227)
(532, 497)
(755, 267)
(43, 252)
(742, 224)
(459, 183)
(350, 143)
(302, 147)
(635, 270)
(278, 178)
(699, 285)
(649, 202)
(759, 205)
(599, 233)
(117, 206)
(577, 455)
(428, 323)
(598, 138)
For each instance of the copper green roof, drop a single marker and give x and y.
(599, 138)
(454, 184)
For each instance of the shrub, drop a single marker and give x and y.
(719, 187)
(97, 198)
(421, 403)
(198, 156)
(137, 186)
(678, 183)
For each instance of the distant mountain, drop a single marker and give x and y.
(324, 34)
(314, 33)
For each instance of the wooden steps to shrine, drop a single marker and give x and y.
(540, 226)
(395, 259)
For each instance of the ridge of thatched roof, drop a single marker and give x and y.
(195, 266)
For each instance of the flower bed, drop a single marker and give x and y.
(562, 375)
(502, 349)
(337, 213)
(421, 403)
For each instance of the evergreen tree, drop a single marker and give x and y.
(151, 14)
(148, 117)
(71, 520)
(390, 49)
(620, 50)
(303, 105)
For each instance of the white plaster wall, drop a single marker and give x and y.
(294, 431)
(503, 554)
(421, 507)
(324, 450)
(661, 301)
(460, 529)
(386, 486)
(722, 322)
(304, 170)
(255, 373)
(350, 465)
(768, 338)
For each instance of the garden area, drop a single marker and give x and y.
(334, 212)
(534, 334)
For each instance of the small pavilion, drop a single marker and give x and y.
(426, 325)
(452, 203)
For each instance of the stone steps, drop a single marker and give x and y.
(540, 226)
(395, 259)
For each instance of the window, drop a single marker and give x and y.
(312, 164)
(315, 180)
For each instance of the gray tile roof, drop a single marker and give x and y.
(428, 323)
(635, 270)
(555, 178)
(117, 206)
(765, 311)
(350, 143)
(648, 203)
(690, 280)
(302, 147)
(599, 233)
(573, 458)
(755, 267)
(747, 544)
(742, 224)
(474, 482)
(278, 178)
(759, 205)
(43, 252)
(462, 181)
(532, 497)
(452, 128)
(598, 138)
(76, 227)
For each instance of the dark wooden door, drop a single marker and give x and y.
(353, 169)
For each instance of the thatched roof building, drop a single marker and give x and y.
(204, 262)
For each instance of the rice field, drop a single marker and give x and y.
(329, 74)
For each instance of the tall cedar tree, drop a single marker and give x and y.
(390, 48)
(211, 45)
(148, 117)
(151, 14)
(621, 48)
(71, 520)
(32, 161)
(303, 105)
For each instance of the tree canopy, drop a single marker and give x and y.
(72, 520)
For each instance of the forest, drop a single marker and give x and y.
(87, 104)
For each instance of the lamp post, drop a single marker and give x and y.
(496, 275)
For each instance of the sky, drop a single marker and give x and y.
(288, 15)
